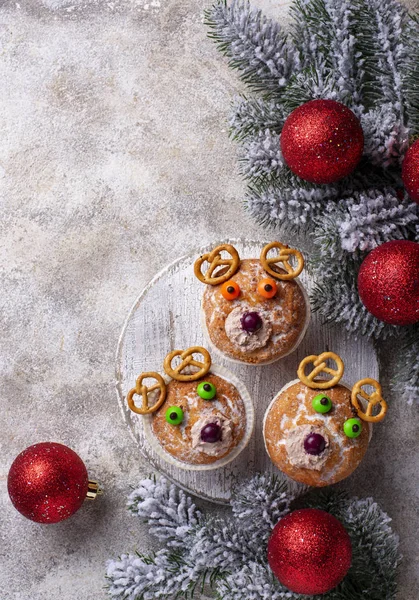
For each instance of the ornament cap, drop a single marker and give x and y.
(93, 490)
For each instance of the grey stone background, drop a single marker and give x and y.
(114, 160)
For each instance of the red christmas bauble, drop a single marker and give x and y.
(322, 141)
(309, 551)
(388, 282)
(410, 171)
(47, 482)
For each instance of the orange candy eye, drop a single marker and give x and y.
(230, 290)
(267, 288)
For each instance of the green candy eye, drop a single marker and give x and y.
(206, 390)
(174, 415)
(322, 403)
(352, 428)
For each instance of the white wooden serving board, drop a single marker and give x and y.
(166, 316)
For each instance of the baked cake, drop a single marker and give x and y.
(198, 417)
(316, 430)
(253, 310)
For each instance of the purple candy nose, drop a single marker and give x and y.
(211, 433)
(314, 444)
(251, 322)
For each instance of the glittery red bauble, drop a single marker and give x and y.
(388, 282)
(309, 551)
(47, 482)
(322, 141)
(410, 171)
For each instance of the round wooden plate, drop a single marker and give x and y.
(166, 316)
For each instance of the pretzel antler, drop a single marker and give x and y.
(188, 361)
(282, 258)
(143, 391)
(319, 363)
(373, 399)
(215, 261)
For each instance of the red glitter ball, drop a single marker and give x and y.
(309, 551)
(410, 171)
(388, 282)
(47, 482)
(322, 141)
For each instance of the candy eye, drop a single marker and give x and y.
(174, 415)
(352, 428)
(267, 288)
(322, 403)
(206, 390)
(230, 290)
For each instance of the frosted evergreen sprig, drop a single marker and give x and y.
(255, 45)
(259, 503)
(327, 45)
(346, 308)
(220, 544)
(385, 137)
(288, 199)
(410, 72)
(360, 223)
(261, 155)
(364, 53)
(407, 366)
(230, 554)
(308, 85)
(138, 577)
(375, 218)
(375, 547)
(249, 116)
(253, 581)
(169, 512)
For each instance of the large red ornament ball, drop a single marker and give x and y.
(410, 171)
(47, 482)
(309, 551)
(322, 141)
(388, 282)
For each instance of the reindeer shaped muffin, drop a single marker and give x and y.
(199, 416)
(254, 310)
(317, 430)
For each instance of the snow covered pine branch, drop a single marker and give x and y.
(229, 555)
(364, 54)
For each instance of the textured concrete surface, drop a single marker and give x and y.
(114, 159)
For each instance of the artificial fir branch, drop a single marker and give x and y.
(407, 365)
(375, 548)
(262, 155)
(375, 218)
(138, 577)
(364, 53)
(252, 115)
(307, 85)
(230, 554)
(410, 72)
(362, 222)
(255, 45)
(328, 44)
(253, 581)
(284, 197)
(347, 309)
(262, 501)
(170, 513)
